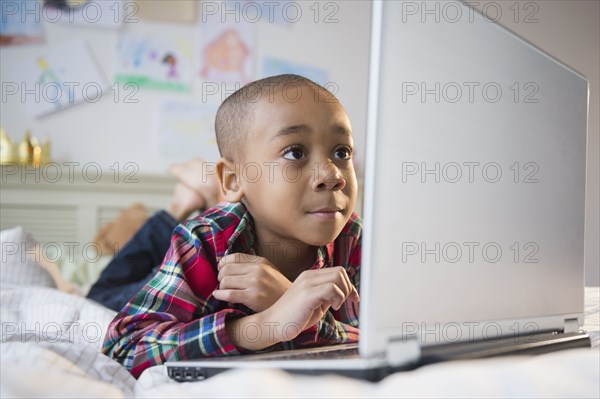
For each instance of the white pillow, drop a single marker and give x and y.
(19, 260)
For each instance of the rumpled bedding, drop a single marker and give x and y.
(50, 344)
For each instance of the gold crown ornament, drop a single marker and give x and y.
(7, 149)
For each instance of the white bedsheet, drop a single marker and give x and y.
(50, 340)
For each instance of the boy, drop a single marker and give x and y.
(263, 270)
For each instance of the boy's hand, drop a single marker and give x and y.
(307, 300)
(250, 280)
(299, 308)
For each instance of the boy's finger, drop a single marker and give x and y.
(354, 297)
(231, 296)
(236, 269)
(233, 269)
(333, 296)
(238, 257)
(332, 275)
(345, 284)
(348, 287)
(233, 282)
(351, 289)
(347, 278)
(231, 258)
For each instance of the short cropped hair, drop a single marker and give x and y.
(236, 114)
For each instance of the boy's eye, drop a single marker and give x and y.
(294, 154)
(343, 153)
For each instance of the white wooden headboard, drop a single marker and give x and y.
(58, 205)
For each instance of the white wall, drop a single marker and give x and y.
(570, 31)
(109, 131)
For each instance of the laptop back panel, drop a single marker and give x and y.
(475, 181)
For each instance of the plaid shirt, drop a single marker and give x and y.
(175, 316)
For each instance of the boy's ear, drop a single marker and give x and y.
(229, 177)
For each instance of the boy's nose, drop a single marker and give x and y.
(328, 177)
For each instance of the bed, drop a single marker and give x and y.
(51, 336)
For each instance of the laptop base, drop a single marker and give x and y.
(526, 345)
(535, 344)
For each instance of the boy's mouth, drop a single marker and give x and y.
(329, 213)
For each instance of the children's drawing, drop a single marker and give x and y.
(48, 78)
(64, 76)
(227, 51)
(17, 27)
(156, 63)
(272, 66)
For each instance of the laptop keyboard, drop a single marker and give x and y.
(341, 353)
(185, 372)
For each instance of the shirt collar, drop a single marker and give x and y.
(324, 257)
(242, 239)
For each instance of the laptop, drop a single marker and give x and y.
(473, 241)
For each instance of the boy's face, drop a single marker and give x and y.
(297, 176)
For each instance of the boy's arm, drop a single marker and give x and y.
(167, 320)
(335, 326)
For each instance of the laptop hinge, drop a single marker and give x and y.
(571, 325)
(403, 351)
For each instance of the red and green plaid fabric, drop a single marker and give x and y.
(175, 316)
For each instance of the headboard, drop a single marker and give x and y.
(57, 205)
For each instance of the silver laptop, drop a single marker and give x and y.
(474, 200)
